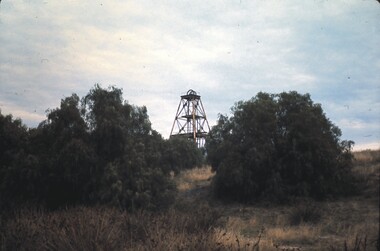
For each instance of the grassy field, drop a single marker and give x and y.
(349, 223)
(197, 222)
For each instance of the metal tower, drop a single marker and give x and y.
(190, 121)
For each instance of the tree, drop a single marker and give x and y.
(277, 146)
(94, 150)
(106, 117)
(16, 165)
(181, 153)
(13, 138)
(65, 156)
(129, 167)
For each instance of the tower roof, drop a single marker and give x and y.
(191, 95)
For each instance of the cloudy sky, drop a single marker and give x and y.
(225, 50)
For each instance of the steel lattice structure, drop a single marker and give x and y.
(190, 120)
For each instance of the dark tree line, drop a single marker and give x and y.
(276, 147)
(95, 150)
(99, 149)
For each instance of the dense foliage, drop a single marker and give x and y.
(181, 155)
(94, 150)
(277, 146)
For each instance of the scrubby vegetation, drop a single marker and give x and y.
(99, 228)
(276, 147)
(89, 151)
(197, 222)
(95, 176)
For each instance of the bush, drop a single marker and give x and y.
(277, 146)
(181, 154)
(90, 151)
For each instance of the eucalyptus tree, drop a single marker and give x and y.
(277, 146)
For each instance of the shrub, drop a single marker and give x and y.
(181, 154)
(277, 146)
(94, 150)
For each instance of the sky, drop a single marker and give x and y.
(226, 51)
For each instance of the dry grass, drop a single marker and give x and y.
(345, 224)
(194, 178)
(340, 222)
(367, 169)
(199, 223)
(303, 234)
(77, 229)
(367, 157)
(330, 225)
(109, 229)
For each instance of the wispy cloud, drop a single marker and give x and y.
(226, 50)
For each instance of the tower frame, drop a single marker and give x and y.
(190, 120)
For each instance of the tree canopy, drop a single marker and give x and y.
(277, 146)
(100, 149)
(94, 150)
